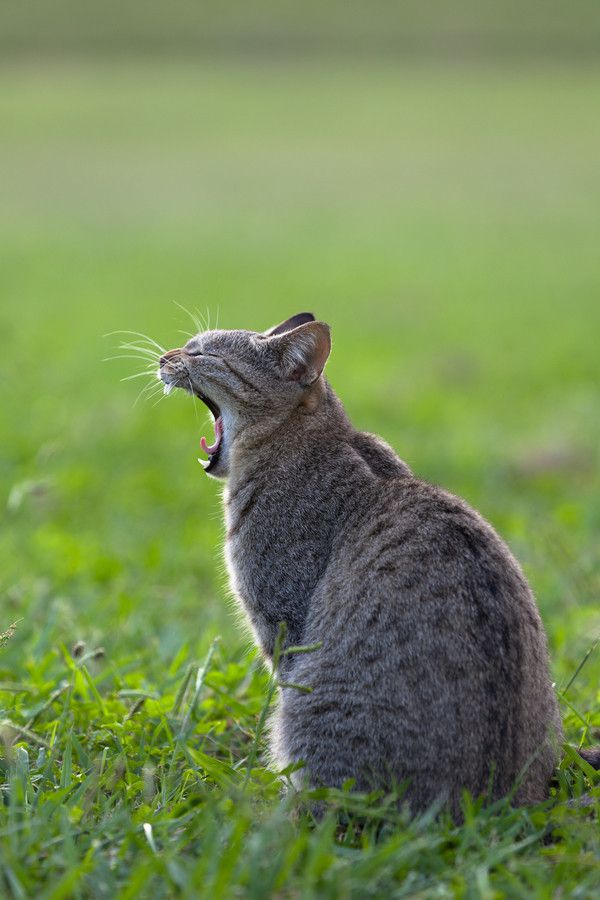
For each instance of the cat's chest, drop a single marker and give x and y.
(259, 538)
(276, 543)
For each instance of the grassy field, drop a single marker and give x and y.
(445, 222)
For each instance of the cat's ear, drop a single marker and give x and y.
(303, 351)
(293, 322)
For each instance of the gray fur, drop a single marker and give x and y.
(433, 671)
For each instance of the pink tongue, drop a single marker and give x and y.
(218, 435)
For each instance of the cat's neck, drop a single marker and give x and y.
(287, 499)
(315, 438)
(298, 439)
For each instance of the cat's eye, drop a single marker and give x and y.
(206, 353)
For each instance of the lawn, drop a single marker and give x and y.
(445, 221)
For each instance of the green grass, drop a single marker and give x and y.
(445, 222)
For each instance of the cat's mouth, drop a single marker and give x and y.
(213, 450)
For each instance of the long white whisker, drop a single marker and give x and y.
(143, 344)
(156, 402)
(139, 334)
(141, 357)
(200, 318)
(155, 386)
(197, 325)
(150, 390)
(136, 348)
(201, 322)
(142, 351)
(130, 356)
(147, 374)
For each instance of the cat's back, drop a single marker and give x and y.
(427, 620)
(426, 538)
(418, 566)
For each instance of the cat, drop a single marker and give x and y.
(431, 668)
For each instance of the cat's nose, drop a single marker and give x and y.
(169, 355)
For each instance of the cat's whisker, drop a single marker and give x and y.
(157, 401)
(153, 382)
(137, 345)
(146, 374)
(130, 356)
(150, 365)
(194, 318)
(142, 350)
(151, 390)
(204, 321)
(156, 382)
(143, 357)
(139, 342)
(155, 385)
(139, 334)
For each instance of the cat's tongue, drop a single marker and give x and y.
(212, 448)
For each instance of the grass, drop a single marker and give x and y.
(444, 221)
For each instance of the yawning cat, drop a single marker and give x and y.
(433, 667)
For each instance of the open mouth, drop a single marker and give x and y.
(212, 450)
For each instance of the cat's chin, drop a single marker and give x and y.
(211, 465)
(214, 466)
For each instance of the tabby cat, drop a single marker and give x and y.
(432, 672)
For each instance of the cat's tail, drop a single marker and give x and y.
(591, 756)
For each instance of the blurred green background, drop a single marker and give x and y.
(424, 178)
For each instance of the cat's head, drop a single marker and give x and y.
(250, 381)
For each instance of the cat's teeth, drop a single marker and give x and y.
(167, 388)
